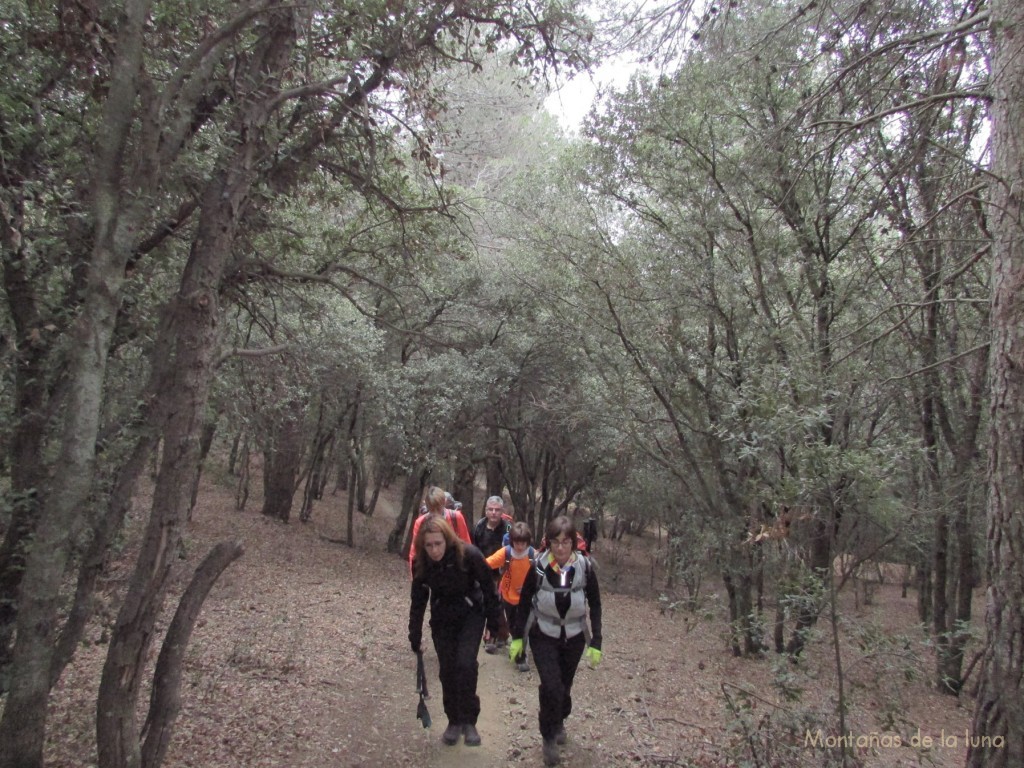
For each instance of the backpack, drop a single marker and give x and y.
(530, 553)
(578, 585)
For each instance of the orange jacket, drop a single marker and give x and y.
(512, 579)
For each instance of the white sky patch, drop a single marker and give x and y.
(571, 102)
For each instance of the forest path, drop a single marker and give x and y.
(301, 659)
(503, 693)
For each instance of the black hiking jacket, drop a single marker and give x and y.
(453, 593)
(488, 541)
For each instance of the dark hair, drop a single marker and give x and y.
(436, 524)
(520, 532)
(557, 527)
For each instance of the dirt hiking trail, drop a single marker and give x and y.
(300, 659)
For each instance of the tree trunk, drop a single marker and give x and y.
(378, 483)
(314, 478)
(940, 597)
(924, 583)
(400, 538)
(282, 460)
(820, 563)
(23, 725)
(104, 533)
(233, 453)
(165, 701)
(745, 638)
(998, 726)
(242, 488)
(26, 442)
(190, 330)
(205, 443)
(494, 471)
(464, 489)
(350, 511)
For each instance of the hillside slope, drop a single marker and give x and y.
(301, 659)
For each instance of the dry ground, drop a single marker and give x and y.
(300, 658)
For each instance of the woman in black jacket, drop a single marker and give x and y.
(457, 582)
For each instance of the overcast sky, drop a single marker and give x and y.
(571, 102)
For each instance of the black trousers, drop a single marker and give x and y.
(503, 621)
(511, 611)
(556, 661)
(456, 644)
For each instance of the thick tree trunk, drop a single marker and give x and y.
(22, 728)
(282, 460)
(190, 330)
(998, 727)
(95, 558)
(26, 442)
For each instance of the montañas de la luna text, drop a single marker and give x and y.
(874, 739)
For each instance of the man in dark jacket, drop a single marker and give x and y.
(489, 536)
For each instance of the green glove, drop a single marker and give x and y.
(593, 657)
(515, 650)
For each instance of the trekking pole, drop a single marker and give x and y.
(421, 687)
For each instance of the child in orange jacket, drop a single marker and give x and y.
(515, 561)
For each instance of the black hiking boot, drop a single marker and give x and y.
(550, 750)
(472, 735)
(451, 734)
(560, 735)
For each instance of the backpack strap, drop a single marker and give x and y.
(508, 557)
(578, 585)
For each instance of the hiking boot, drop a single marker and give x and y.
(490, 648)
(451, 734)
(471, 734)
(560, 735)
(550, 750)
(522, 666)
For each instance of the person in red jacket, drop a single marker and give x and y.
(454, 578)
(435, 504)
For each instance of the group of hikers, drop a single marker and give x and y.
(492, 585)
